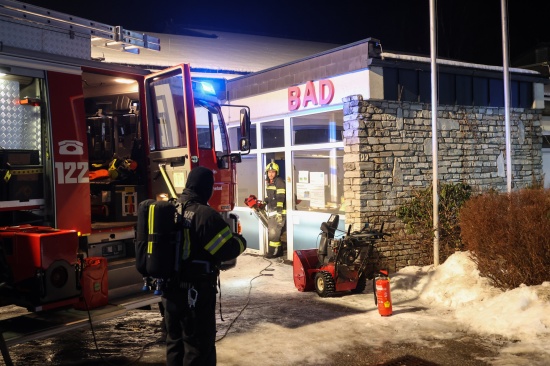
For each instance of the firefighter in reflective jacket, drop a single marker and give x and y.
(275, 198)
(190, 300)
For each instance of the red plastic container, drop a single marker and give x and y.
(95, 286)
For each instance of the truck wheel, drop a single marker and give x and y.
(361, 285)
(324, 284)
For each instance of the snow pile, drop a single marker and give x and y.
(519, 314)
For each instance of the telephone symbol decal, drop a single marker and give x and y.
(70, 147)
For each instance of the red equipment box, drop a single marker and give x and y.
(94, 283)
(42, 264)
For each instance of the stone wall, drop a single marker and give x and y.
(388, 155)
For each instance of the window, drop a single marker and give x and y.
(273, 134)
(247, 179)
(203, 119)
(167, 126)
(408, 80)
(317, 128)
(454, 89)
(210, 127)
(318, 177)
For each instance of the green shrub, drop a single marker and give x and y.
(509, 236)
(417, 215)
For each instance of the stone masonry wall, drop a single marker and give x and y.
(388, 155)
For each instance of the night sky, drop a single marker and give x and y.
(468, 30)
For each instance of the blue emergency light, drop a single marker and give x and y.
(206, 88)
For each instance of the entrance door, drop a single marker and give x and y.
(279, 159)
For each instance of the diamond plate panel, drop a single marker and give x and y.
(38, 38)
(19, 125)
(61, 43)
(17, 35)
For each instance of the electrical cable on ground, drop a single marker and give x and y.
(142, 350)
(247, 300)
(161, 339)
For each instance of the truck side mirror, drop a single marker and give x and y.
(244, 143)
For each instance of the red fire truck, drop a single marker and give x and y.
(82, 142)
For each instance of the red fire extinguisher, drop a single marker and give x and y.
(382, 295)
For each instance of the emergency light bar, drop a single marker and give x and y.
(203, 86)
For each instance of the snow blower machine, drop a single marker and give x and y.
(339, 264)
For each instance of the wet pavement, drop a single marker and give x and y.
(266, 321)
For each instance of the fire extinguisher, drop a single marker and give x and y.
(382, 295)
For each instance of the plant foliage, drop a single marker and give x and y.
(509, 236)
(417, 214)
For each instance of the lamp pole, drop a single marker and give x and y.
(506, 76)
(433, 53)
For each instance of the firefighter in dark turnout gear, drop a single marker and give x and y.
(190, 301)
(275, 199)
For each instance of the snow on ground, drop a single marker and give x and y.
(431, 306)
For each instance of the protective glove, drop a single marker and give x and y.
(279, 218)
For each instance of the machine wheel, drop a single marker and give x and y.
(361, 284)
(324, 284)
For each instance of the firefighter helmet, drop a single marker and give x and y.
(272, 166)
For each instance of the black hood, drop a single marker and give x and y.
(201, 182)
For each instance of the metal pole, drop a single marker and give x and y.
(433, 53)
(506, 94)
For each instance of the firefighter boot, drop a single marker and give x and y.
(269, 252)
(278, 252)
(274, 252)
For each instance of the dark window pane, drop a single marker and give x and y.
(464, 90)
(496, 93)
(514, 94)
(447, 89)
(408, 85)
(481, 91)
(273, 134)
(425, 86)
(525, 95)
(390, 84)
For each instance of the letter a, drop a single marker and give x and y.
(309, 94)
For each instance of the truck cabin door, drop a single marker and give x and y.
(186, 129)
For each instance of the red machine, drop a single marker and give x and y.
(94, 139)
(339, 264)
(42, 266)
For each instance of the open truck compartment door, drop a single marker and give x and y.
(170, 135)
(187, 129)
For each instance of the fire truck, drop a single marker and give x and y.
(82, 142)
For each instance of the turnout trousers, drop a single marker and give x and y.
(190, 331)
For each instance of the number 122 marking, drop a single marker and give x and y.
(66, 172)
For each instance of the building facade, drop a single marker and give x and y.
(351, 129)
